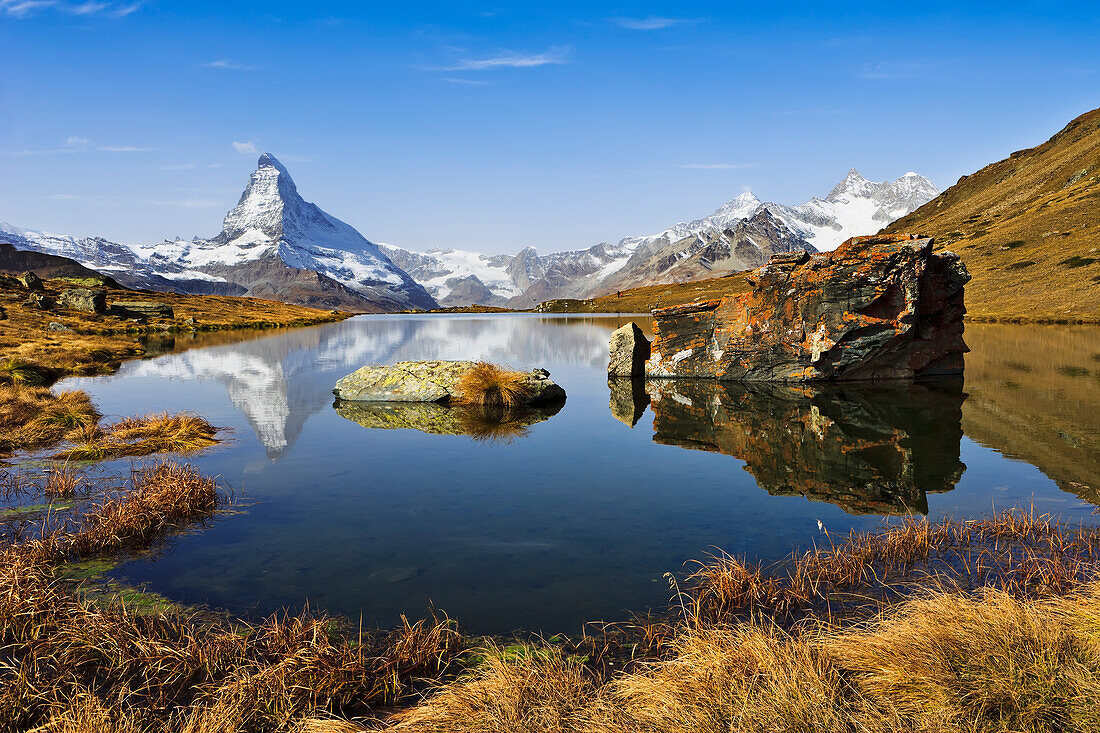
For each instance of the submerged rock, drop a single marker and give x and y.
(878, 307)
(629, 351)
(430, 381)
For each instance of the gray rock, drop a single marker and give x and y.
(83, 299)
(428, 381)
(55, 326)
(629, 352)
(141, 309)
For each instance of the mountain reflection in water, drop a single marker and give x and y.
(869, 449)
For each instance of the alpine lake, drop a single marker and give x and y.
(562, 517)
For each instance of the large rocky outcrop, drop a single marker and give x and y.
(878, 307)
(430, 381)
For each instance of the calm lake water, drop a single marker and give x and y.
(579, 515)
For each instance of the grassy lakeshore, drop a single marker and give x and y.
(82, 342)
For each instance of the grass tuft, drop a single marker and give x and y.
(35, 417)
(17, 371)
(143, 436)
(490, 385)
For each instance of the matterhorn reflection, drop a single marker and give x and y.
(869, 449)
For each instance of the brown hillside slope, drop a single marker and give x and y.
(1028, 229)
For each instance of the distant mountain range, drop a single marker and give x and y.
(273, 244)
(276, 245)
(739, 235)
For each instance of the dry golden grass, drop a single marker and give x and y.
(143, 436)
(488, 385)
(62, 482)
(646, 298)
(537, 691)
(1028, 229)
(35, 417)
(944, 662)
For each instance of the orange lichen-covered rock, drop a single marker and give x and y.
(878, 307)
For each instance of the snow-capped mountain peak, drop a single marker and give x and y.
(854, 185)
(271, 208)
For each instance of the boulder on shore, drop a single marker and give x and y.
(84, 299)
(878, 307)
(141, 309)
(31, 281)
(430, 381)
(629, 352)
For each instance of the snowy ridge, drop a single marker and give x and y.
(439, 270)
(854, 206)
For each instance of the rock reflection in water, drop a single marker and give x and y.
(628, 399)
(868, 449)
(494, 424)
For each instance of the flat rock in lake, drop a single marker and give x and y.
(430, 381)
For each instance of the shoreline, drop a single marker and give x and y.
(49, 342)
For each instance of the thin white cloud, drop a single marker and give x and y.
(121, 11)
(227, 64)
(77, 142)
(248, 148)
(89, 8)
(468, 82)
(886, 71)
(651, 23)
(509, 60)
(22, 8)
(74, 197)
(716, 166)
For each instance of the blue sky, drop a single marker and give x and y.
(496, 126)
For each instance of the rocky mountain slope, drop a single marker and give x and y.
(273, 244)
(739, 235)
(1028, 228)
